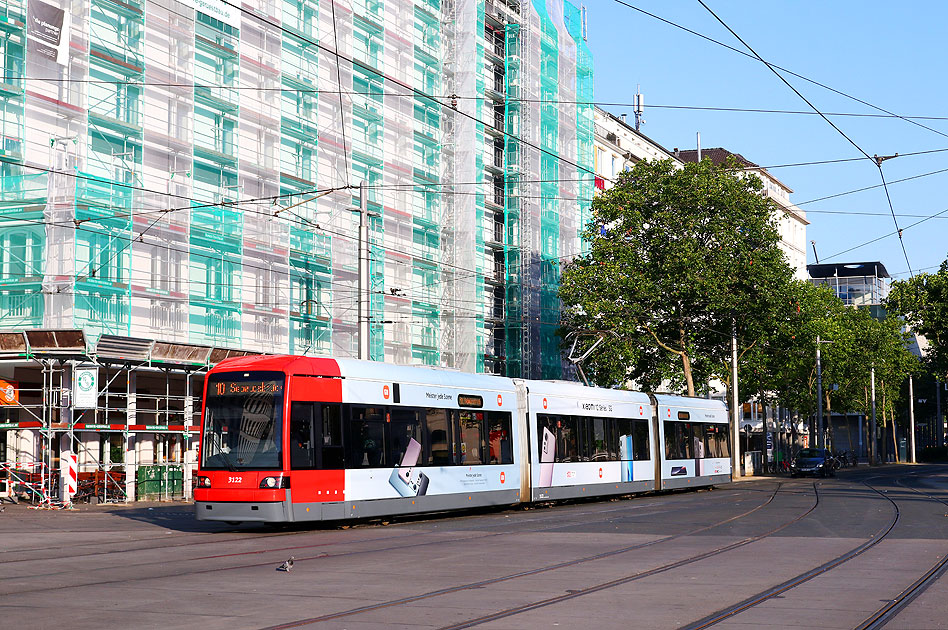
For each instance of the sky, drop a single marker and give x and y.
(890, 55)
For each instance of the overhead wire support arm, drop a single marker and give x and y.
(600, 336)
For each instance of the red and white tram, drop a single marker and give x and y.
(305, 438)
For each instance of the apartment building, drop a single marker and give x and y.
(181, 182)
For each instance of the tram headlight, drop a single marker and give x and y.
(203, 482)
(274, 483)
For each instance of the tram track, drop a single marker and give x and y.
(570, 563)
(881, 616)
(395, 520)
(396, 539)
(892, 608)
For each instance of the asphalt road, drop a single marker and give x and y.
(780, 553)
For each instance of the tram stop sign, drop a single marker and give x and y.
(85, 386)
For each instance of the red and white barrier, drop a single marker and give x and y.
(69, 468)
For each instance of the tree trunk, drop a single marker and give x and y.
(895, 445)
(849, 433)
(686, 367)
(884, 449)
(829, 421)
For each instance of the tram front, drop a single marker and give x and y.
(241, 474)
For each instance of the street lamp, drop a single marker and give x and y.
(819, 395)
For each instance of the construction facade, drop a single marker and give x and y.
(180, 181)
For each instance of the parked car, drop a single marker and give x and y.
(818, 462)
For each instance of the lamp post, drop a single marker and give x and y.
(735, 412)
(911, 421)
(872, 424)
(364, 306)
(819, 395)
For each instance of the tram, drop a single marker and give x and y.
(288, 438)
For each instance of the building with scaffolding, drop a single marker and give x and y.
(178, 180)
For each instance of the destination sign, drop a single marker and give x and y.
(469, 400)
(244, 388)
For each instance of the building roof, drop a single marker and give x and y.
(718, 156)
(847, 270)
(633, 130)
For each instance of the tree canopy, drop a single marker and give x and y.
(676, 256)
(923, 302)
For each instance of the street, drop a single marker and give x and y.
(767, 552)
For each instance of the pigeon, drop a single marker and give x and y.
(286, 566)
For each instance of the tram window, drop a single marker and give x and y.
(566, 429)
(624, 438)
(583, 434)
(332, 451)
(640, 445)
(366, 447)
(439, 444)
(697, 440)
(302, 448)
(472, 436)
(599, 444)
(678, 440)
(716, 440)
(405, 426)
(548, 422)
(499, 438)
(567, 439)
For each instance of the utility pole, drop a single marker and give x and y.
(819, 397)
(820, 437)
(872, 423)
(939, 424)
(363, 313)
(735, 411)
(911, 422)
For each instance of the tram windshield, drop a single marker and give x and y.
(243, 420)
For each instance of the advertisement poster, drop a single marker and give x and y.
(9, 392)
(47, 31)
(85, 387)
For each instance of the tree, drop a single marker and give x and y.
(923, 302)
(789, 365)
(676, 256)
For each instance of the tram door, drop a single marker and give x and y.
(317, 457)
(315, 436)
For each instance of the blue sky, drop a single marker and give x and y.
(891, 55)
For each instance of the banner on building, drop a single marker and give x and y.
(217, 10)
(47, 31)
(85, 386)
(9, 392)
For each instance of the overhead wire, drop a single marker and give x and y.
(875, 159)
(858, 190)
(879, 238)
(413, 185)
(782, 69)
(342, 109)
(460, 97)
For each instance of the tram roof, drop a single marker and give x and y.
(377, 371)
(578, 390)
